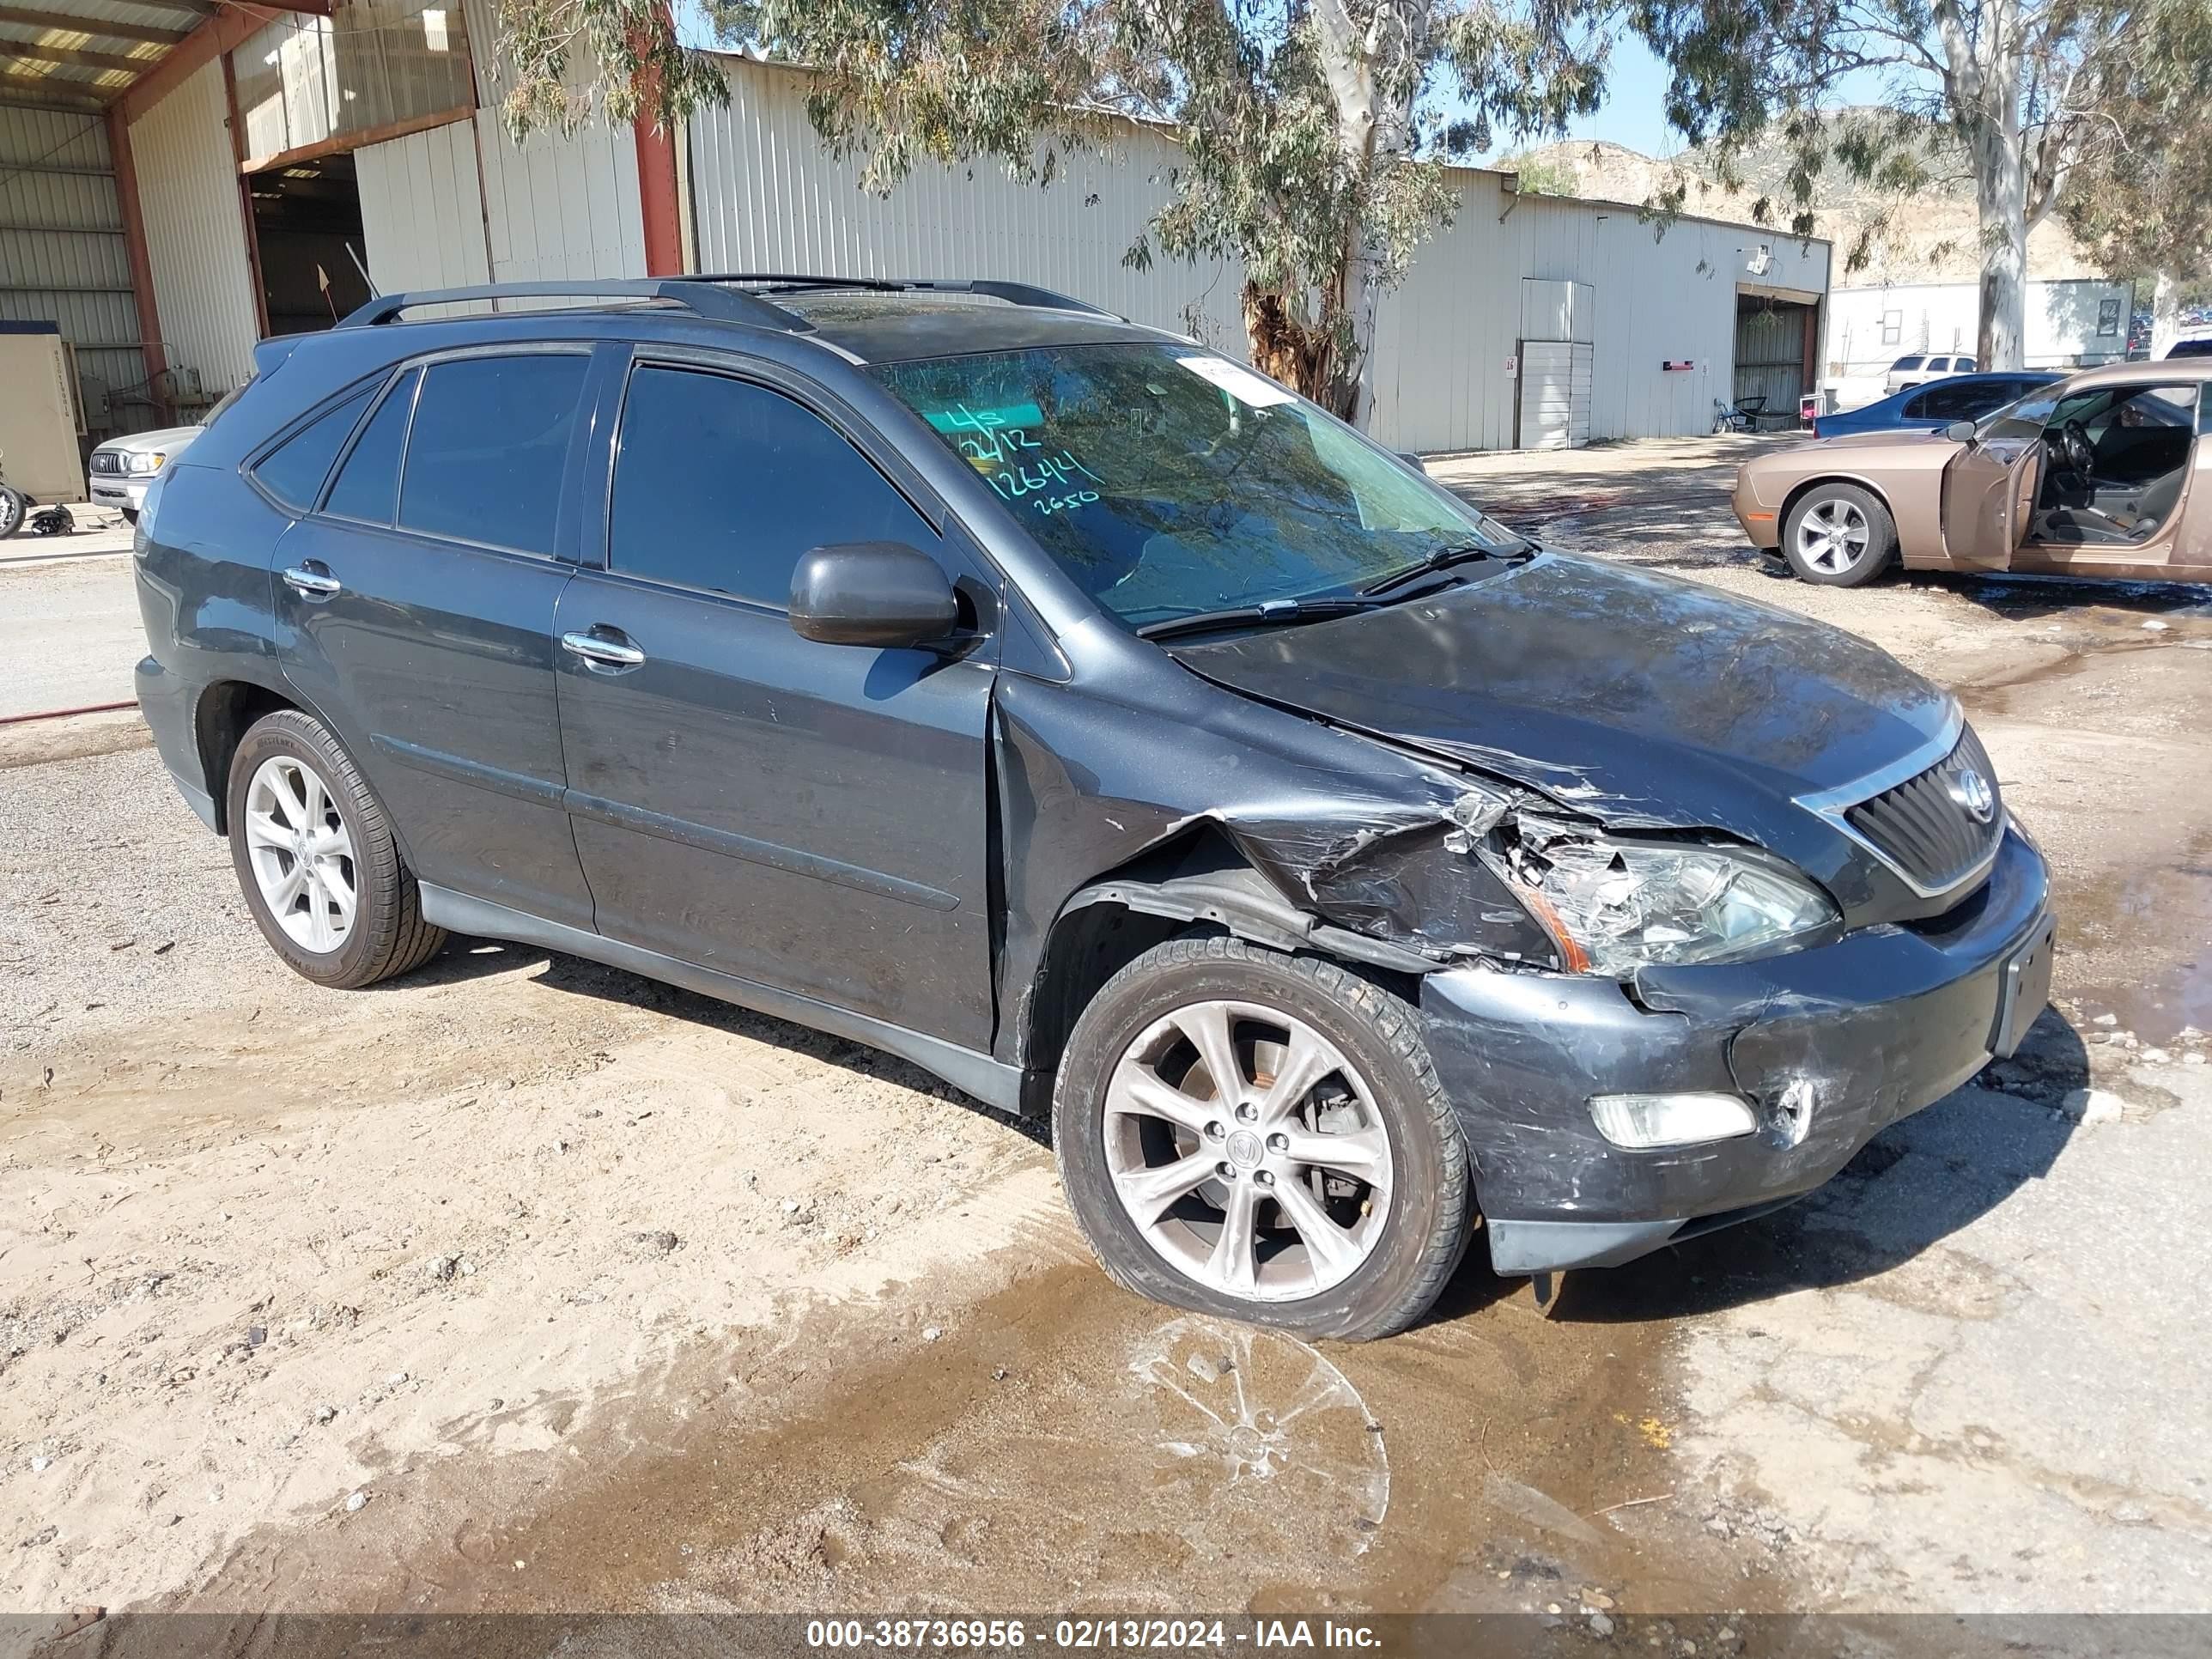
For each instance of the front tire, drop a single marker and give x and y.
(317, 859)
(1322, 1189)
(1839, 535)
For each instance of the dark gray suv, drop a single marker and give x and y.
(1082, 716)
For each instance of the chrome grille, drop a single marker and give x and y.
(1922, 827)
(106, 460)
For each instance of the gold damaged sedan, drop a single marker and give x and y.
(2105, 473)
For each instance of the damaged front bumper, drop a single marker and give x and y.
(1830, 1045)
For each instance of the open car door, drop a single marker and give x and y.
(1989, 499)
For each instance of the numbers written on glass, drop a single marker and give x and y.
(997, 443)
(1051, 504)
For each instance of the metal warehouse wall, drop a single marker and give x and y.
(554, 207)
(195, 232)
(767, 196)
(1446, 334)
(62, 255)
(461, 203)
(423, 209)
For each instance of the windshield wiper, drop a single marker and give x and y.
(1443, 559)
(1265, 614)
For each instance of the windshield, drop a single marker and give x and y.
(1170, 482)
(2024, 417)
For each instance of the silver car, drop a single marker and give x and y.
(121, 468)
(1921, 368)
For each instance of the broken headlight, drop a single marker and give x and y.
(1615, 907)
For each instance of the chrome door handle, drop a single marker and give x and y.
(592, 648)
(315, 585)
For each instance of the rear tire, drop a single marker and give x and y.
(1232, 1239)
(15, 507)
(317, 859)
(1839, 535)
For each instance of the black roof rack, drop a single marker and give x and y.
(715, 296)
(1015, 294)
(698, 295)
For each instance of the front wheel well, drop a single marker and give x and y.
(1797, 495)
(1199, 887)
(228, 710)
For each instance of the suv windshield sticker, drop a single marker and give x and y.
(1254, 391)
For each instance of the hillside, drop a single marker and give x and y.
(1929, 238)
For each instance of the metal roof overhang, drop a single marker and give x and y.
(92, 55)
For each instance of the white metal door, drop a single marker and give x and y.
(1555, 393)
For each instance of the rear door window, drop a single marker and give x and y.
(294, 471)
(721, 484)
(1963, 403)
(489, 447)
(369, 483)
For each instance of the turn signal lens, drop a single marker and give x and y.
(1648, 1122)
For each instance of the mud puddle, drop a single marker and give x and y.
(1052, 1443)
(2158, 915)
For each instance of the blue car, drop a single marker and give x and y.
(1936, 405)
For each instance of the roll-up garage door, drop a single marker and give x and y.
(1555, 393)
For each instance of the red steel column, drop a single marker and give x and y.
(134, 243)
(656, 175)
(656, 190)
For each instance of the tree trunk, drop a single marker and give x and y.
(1302, 356)
(2001, 194)
(1981, 86)
(2165, 312)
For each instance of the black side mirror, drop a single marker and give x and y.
(1961, 432)
(1412, 459)
(879, 593)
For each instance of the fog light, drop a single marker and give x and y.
(1646, 1122)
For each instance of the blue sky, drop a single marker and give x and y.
(1634, 112)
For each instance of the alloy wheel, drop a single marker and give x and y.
(1833, 536)
(1248, 1150)
(302, 852)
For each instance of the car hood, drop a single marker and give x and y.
(1876, 439)
(1638, 698)
(169, 438)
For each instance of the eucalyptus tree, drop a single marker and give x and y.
(2146, 207)
(1316, 133)
(2025, 91)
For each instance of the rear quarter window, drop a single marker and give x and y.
(294, 471)
(1906, 364)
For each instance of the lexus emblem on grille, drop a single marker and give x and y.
(1971, 791)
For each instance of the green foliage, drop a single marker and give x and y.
(2021, 92)
(572, 59)
(1315, 131)
(2146, 206)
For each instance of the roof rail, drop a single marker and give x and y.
(1014, 293)
(712, 295)
(699, 295)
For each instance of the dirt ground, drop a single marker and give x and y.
(523, 1283)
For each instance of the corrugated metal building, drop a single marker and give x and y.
(287, 157)
(63, 258)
